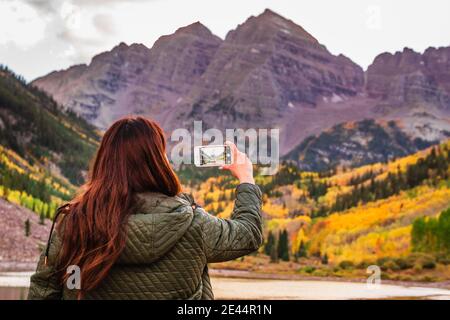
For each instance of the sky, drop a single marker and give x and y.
(40, 36)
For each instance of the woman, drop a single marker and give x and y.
(134, 235)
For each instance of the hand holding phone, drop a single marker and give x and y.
(227, 157)
(241, 166)
(212, 155)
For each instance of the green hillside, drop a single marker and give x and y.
(33, 126)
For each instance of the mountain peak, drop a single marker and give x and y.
(269, 13)
(270, 23)
(121, 46)
(196, 28)
(270, 16)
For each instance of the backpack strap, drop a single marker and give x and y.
(189, 198)
(47, 249)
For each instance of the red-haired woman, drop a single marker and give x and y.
(134, 235)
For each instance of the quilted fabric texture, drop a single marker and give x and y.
(168, 248)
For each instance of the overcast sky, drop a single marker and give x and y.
(39, 36)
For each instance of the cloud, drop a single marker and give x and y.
(72, 37)
(43, 6)
(77, 29)
(96, 3)
(51, 6)
(76, 55)
(20, 24)
(104, 23)
(55, 33)
(81, 27)
(79, 48)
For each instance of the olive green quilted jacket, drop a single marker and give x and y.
(170, 242)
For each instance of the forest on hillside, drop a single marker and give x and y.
(36, 128)
(338, 222)
(44, 149)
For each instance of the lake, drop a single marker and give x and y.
(13, 285)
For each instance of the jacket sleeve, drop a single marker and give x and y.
(44, 283)
(228, 239)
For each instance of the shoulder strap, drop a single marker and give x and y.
(47, 249)
(188, 197)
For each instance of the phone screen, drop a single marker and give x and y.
(215, 155)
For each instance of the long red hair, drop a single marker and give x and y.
(131, 159)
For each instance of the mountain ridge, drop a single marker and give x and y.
(268, 72)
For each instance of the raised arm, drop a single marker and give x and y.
(228, 239)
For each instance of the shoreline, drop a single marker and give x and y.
(241, 274)
(10, 268)
(17, 266)
(232, 284)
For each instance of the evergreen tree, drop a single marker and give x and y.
(27, 228)
(274, 253)
(302, 250)
(269, 244)
(325, 259)
(283, 246)
(42, 218)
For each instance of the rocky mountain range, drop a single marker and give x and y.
(355, 144)
(135, 79)
(267, 73)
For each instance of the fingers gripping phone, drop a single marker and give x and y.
(212, 156)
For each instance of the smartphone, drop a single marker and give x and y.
(212, 156)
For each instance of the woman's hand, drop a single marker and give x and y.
(241, 167)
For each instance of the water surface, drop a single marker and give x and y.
(13, 286)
